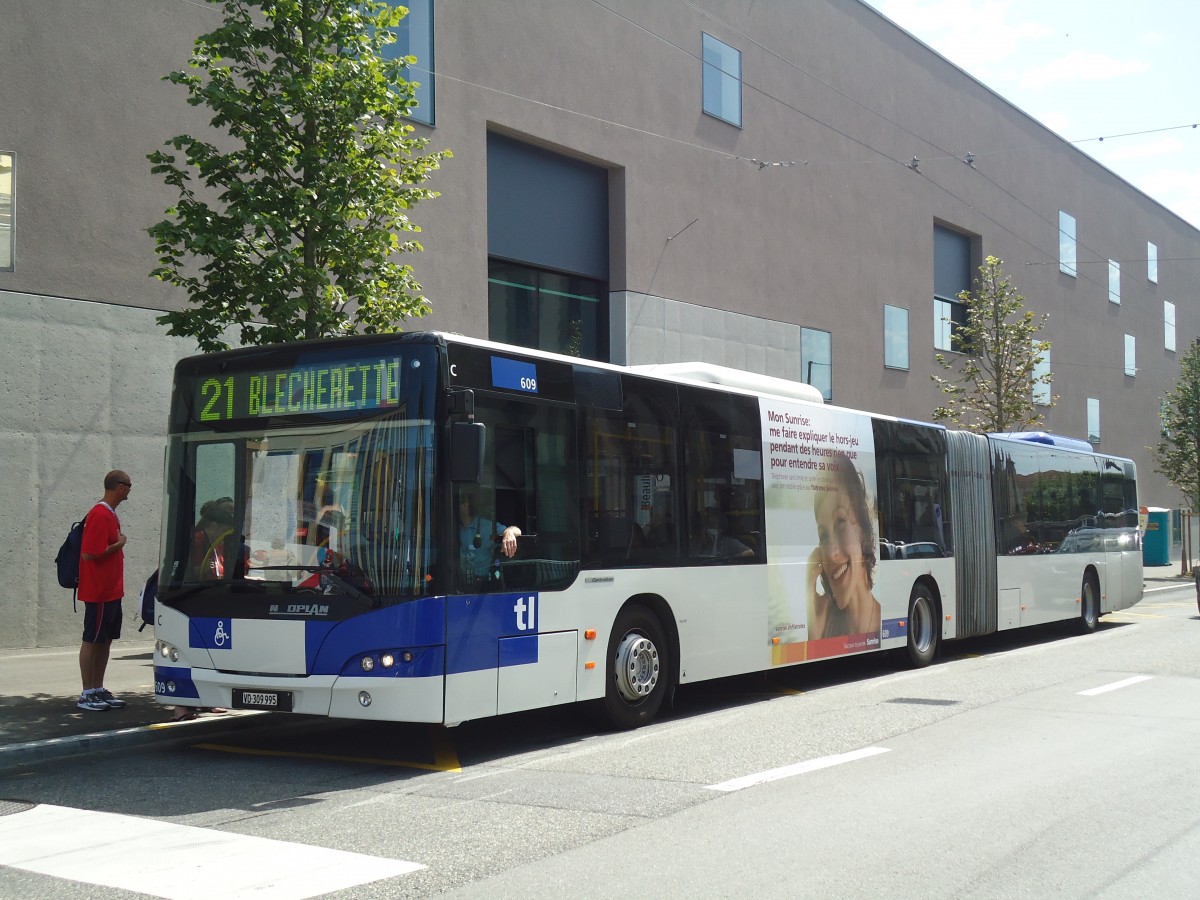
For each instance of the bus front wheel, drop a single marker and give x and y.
(638, 669)
(923, 628)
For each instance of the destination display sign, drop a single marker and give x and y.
(345, 386)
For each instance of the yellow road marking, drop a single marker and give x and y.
(445, 759)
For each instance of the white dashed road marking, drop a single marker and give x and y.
(1115, 686)
(812, 765)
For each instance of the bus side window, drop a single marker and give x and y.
(628, 482)
(722, 470)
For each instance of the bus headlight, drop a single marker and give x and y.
(387, 660)
(168, 651)
(367, 663)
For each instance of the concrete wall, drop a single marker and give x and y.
(84, 388)
(659, 330)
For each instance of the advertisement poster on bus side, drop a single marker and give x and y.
(821, 512)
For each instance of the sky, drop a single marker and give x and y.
(1127, 71)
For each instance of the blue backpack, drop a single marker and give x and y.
(68, 558)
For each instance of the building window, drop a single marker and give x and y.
(951, 276)
(816, 360)
(1130, 355)
(1041, 391)
(7, 233)
(1114, 281)
(1093, 420)
(1066, 244)
(1152, 262)
(722, 80)
(414, 37)
(1169, 325)
(895, 337)
(545, 310)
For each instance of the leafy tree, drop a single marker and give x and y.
(295, 219)
(993, 387)
(1177, 454)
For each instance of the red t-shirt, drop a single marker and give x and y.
(101, 580)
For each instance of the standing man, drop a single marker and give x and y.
(101, 588)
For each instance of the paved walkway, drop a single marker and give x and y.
(39, 720)
(38, 688)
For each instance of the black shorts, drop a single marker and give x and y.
(102, 622)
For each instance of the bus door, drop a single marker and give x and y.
(511, 643)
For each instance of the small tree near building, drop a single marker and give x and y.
(996, 375)
(1177, 454)
(290, 224)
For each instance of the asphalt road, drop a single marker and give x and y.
(1037, 764)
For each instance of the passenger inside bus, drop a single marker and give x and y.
(710, 538)
(210, 540)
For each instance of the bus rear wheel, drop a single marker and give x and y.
(638, 669)
(1089, 604)
(923, 628)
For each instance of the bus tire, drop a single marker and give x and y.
(1089, 604)
(638, 669)
(923, 631)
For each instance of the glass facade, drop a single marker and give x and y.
(545, 310)
(414, 37)
(951, 276)
(816, 360)
(895, 337)
(7, 233)
(722, 80)
(1041, 391)
(1066, 244)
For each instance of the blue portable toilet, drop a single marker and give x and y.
(1156, 542)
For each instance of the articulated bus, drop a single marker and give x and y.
(431, 528)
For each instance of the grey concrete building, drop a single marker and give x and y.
(796, 188)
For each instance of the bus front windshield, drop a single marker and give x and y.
(336, 509)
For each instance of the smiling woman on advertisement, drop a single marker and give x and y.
(843, 564)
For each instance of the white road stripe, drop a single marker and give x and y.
(1115, 686)
(812, 765)
(179, 862)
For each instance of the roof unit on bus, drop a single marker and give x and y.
(1053, 440)
(707, 373)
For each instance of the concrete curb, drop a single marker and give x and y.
(15, 757)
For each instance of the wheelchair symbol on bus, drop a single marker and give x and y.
(221, 637)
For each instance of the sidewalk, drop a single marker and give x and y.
(1167, 573)
(38, 689)
(39, 720)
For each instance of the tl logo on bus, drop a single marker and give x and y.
(526, 610)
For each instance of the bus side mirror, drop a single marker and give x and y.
(466, 451)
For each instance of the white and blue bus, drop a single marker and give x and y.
(430, 528)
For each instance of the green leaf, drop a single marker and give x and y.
(289, 212)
